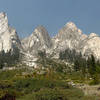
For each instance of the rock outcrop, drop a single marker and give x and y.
(8, 36)
(38, 40)
(69, 37)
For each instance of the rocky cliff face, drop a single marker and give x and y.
(69, 37)
(92, 45)
(8, 36)
(38, 40)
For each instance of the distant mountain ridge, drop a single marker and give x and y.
(68, 37)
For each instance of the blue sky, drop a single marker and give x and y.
(25, 15)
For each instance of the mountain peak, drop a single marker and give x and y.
(69, 31)
(93, 35)
(8, 37)
(38, 40)
(71, 25)
(40, 32)
(3, 22)
(2, 15)
(40, 29)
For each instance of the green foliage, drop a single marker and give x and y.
(10, 74)
(92, 66)
(74, 57)
(95, 80)
(70, 55)
(34, 87)
(53, 84)
(10, 58)
(55, 94)
(52, 64)
(28, 85)
(89, 68)
(76, 66)
(42, 54)
(48, 94)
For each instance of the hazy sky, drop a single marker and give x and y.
(25, 15)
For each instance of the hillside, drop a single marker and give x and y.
(40, 67)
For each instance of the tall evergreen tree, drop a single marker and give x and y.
(76, 65)
(91, 63)
(9, 58)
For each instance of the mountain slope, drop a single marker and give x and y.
(38, 40)
(69, 37)
(8, 36)
(92, 45)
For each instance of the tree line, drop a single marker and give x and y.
(89, 66)
(10, 58)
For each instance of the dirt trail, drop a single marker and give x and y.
(90, 90)
(87, 89)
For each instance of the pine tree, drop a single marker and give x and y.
(76, 65)
(91, 65)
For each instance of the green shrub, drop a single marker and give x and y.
(49, 94)
(55, 94)
(94, 82)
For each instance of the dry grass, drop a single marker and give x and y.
(90, 90)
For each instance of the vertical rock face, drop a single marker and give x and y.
(3, 23)
(5, 42)
(15, 41)
(69, 37)
(92, 45)
(38, 40)
(8, 36)
(69, 31)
